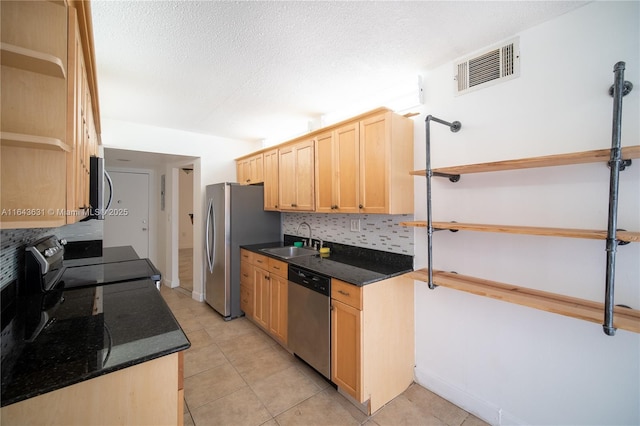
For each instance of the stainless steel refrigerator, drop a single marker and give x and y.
(235, 216)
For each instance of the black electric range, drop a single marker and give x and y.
(82, 318)
(48, 275)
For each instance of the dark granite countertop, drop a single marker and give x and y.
(354, 265)
(80, 257)
(97, 330)
(133, 324)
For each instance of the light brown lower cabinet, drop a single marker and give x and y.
(278, 297)
(262, 301)
(150, 393)
(264, 293)
(372, 340)
(246, 283)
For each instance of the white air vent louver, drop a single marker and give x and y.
(494, 66)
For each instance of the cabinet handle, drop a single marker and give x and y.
(361, 206)
(294, 205)
(344, 293)
(245, 275)
(266, 277)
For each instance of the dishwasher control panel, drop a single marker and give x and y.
(311, 280)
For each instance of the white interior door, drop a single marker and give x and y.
(126, 223)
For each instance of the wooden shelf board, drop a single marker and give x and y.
(624, 318)
(625, 236)
(595, 156)
(31, 60)
(32, 141)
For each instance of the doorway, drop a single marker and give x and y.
(185, 227)
(126, 222)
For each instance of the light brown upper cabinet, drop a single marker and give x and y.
(363, 167)
(250, 170)
(337, 166)
(34, 143)
(50, 120)
(360, 165)
(80, 124)
(296, 176)
(271, 179)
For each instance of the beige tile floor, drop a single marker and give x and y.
(235, 374)
(185, 268)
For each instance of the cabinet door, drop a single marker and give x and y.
(239, 172)
(286, 178)
(374, 136)
(346, 348)
(261, 300)
(78, 123)
(271, 180)
(246, 172)
(346, 168)
(304, 176)
(256, 167)
(279, 308)
(296, 176)
(324, 189)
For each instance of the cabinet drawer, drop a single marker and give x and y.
(346, 293)
(246, 256)
(246, 277)
(260, 261)
(278, 267)
(246, 300)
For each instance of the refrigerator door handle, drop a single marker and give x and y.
(209, 242)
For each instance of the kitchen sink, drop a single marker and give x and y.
(289, 252)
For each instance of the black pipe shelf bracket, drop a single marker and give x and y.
(618, 90)
(454, 126)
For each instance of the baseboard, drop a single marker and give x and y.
(480, 408)
(171, 284)
(197, 296)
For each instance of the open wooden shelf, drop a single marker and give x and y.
(33, 141)
(624, 318)
(595, 156)
(625, 236)
(31, 60)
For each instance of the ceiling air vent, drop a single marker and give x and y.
(494, 66)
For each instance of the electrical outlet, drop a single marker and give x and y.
(355, 225)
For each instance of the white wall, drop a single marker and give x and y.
(185, 227)
(506, 363)
(215, 164)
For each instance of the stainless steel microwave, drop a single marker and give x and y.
(98, 177)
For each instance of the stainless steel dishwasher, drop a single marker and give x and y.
(310, 318)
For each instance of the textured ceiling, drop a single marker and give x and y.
(262, 70)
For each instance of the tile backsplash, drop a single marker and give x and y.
(14, 241)
(377, 232)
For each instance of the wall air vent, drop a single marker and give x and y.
(490, 67)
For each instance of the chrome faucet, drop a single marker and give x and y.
(308, 243)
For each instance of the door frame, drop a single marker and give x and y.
(173, 207)
(151, 200)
